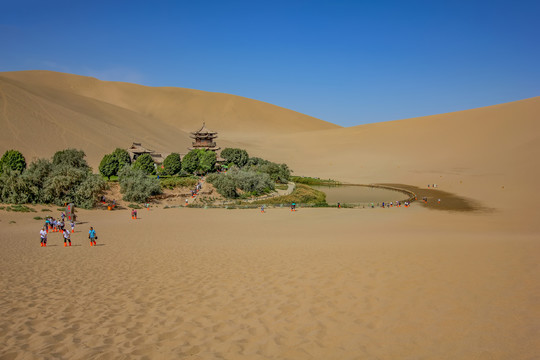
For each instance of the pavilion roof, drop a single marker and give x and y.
(204, 131)
(138, 148)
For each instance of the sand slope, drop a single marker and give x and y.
(314, 284)
(98, 115)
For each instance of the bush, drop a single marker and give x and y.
(146, 164)
(136, 185)
(122, 156)
(224, 184)
(71, 157)
(88, 192)
(14, 160)
(250, 182)
(235, 156)
(109, 166)
(172, 164)
(278, 172)
(174, 182)
(302, 194)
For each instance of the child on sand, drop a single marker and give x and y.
(43, 236)
(92, 236)
(72, 226)
(262, 208)
(66, 238)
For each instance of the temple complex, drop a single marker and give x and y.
(204, 139)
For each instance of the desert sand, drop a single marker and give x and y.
(376, 283)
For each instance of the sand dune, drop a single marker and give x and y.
(315, 284)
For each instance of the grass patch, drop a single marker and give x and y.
(2, 207)
(302, 194)
(20, 208)
(282, 186)
(177, 181)
(61, 209)
(306, 180)
(113, 178)
(135, 206)
(45, 210)
(38, 218)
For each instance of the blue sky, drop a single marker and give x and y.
(347, 62)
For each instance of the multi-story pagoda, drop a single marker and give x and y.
(204, 139)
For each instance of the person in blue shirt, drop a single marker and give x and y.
(92, 236)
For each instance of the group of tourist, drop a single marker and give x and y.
(53, 225)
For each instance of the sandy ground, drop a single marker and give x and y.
(238, 284)
(315, 284)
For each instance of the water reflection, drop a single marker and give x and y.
(355, 194)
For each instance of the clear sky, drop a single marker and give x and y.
(347, 62)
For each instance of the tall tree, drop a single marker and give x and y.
(109, 166)
(146, 164)
(14, 160)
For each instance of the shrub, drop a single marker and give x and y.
(136, 185)
(109, 166)
(250, 182)
(172, 164)
(174, 182)
(122, 156)
(14, 160)
(235, 156)
(302, 194)
(71, 157)
(146, 164)
(87, 193)
(278, 172)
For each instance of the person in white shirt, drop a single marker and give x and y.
(66, 238)
(43, 236)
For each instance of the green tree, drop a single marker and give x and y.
(14, 160)
(146, 164)
(236, 156)
(172, 164)
(190, 162)
(207, 161)
(71, 157)
(123, 157)
(109, 166)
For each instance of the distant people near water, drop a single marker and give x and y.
(92, 236)
(43, 236)
(67, 237)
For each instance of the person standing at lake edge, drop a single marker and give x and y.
(92, 236)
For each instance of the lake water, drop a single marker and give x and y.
(351, 194)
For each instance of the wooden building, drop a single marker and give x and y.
(204, 139)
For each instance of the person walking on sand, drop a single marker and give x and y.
(43, 236)
(67, 238)
(92, 236)
(72, 224)
(262, 208)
